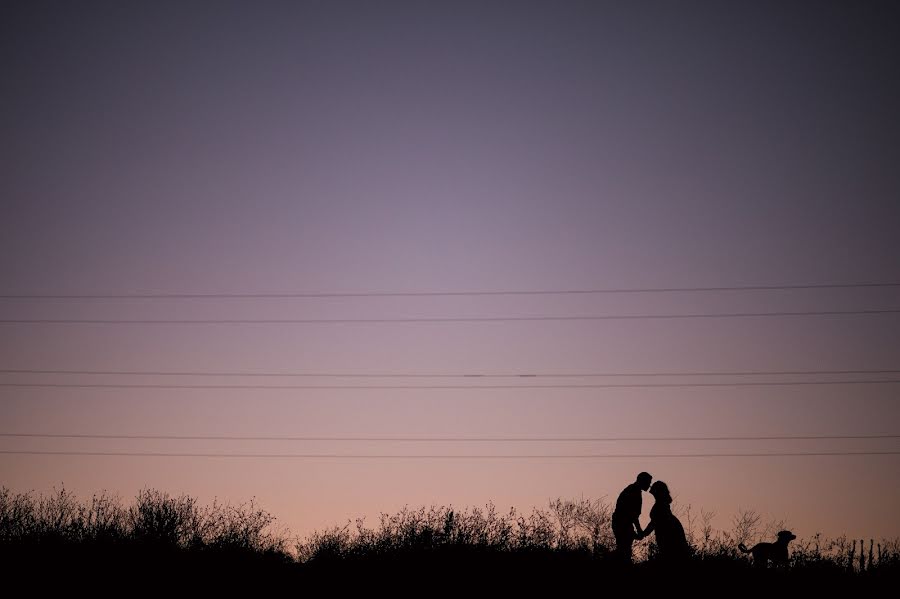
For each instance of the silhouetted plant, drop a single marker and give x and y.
(567, 525)
(568, 535)
(155, 518)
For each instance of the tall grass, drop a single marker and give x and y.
(566, 540)
(153, 519)
(566, 526)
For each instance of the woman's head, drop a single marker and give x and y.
(660, 491)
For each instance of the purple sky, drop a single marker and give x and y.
(376, 147)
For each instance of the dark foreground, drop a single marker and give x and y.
(128, 569)
(160, 544)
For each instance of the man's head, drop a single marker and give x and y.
(644, 480)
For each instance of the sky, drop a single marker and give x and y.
(358, 148)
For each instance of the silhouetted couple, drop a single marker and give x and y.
(671, 542)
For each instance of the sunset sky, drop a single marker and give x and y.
(351, 149)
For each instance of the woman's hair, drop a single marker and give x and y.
(660, 491)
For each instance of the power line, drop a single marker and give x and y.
(443, 375)
(445, 439)
(424, 387)
(284, 321)
(448, 456)
(152, 296)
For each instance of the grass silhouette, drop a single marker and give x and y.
(566, 546)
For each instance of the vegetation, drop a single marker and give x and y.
(567, 544)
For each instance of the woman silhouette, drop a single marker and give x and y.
(670, 539)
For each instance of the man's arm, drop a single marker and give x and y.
(637, 527)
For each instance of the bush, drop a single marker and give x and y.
(154, 520)
(569, 540)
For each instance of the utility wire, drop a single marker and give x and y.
(444, 439)
(448, 293)
(423, 387)
(449, 456)
(284, 321)
(443, 375)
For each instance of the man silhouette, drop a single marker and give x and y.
(625, 519)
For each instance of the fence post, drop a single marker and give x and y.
(871, 544)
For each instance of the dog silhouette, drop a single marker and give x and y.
(776, 552)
